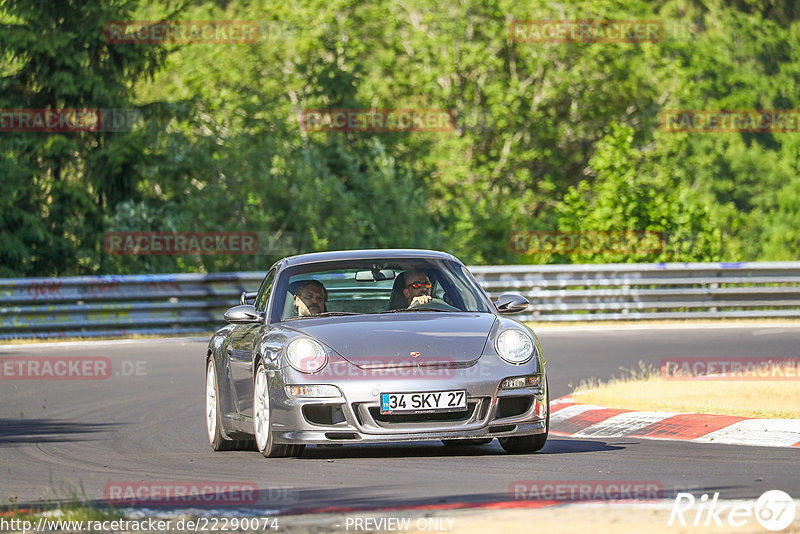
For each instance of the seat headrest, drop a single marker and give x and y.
(398, 301)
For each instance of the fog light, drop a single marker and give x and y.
(521, 382)
(313, 391)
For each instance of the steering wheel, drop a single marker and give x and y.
(434, 304)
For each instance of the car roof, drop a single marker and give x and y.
(366, 254)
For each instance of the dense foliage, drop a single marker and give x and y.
(548, 136)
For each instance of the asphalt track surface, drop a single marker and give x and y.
(61, 439)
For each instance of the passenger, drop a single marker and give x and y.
(417, 287)
(310, 298)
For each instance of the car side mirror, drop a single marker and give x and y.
(244, 313)
(511, 303)
(247, 295)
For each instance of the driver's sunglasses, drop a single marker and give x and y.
(417, 285)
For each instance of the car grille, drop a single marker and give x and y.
(369, 415)
(422, 417)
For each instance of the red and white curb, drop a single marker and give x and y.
(570, 418)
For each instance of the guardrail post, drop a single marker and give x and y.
(713, 290)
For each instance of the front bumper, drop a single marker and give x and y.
(355, 416)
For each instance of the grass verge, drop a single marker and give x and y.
(67, 502)
(643, 389)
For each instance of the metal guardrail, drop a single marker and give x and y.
(649, 291)
(89, 306)
(116, 306)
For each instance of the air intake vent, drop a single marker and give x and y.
(340, 435)
(502, 428)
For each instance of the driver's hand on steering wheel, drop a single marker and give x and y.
(422, 299)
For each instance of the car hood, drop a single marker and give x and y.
(390, 339)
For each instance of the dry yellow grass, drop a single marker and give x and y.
(645, 390)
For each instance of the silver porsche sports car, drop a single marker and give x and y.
(369, 346)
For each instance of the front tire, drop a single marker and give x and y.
(213, 423)
(525, 444)
(262, 425)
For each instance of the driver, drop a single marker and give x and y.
(310, 298)
(418, 287)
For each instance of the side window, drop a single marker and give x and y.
(264, 291)
(439, 290)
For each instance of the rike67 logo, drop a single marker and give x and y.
(774, 510)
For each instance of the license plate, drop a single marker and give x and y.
(423, 402)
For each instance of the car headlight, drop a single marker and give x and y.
(306, 355)
(514, 346)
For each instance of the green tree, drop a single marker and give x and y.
(630, 193)
(56, 186)
(548, 136)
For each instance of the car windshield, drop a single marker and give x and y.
(376, 286)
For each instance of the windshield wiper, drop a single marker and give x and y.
(415, 309)
(323, 314)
